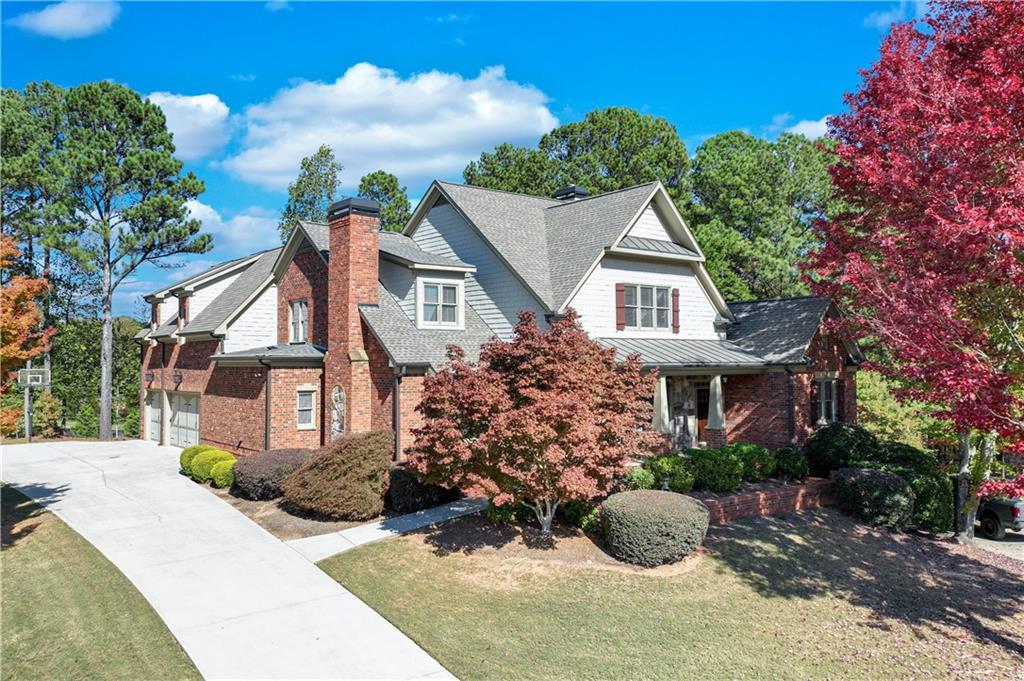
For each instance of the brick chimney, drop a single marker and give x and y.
(352, 275)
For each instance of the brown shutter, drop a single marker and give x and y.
(675, 310)
(840, 400)
(620, 307)
(814, 403)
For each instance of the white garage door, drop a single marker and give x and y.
(184, 419)
(153, 416)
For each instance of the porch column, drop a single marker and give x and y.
(661, 421)
(716, 404)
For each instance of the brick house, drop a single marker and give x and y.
(334, 331)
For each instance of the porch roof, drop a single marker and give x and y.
(304, 354)
(683, 352)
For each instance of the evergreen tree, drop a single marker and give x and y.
(384, 188)
(312, 192)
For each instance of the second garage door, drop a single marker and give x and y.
(184, 419)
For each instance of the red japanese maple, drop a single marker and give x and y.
(546, 418)
(928, 260)
(1002, 488)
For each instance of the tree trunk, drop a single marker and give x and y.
(963, 531)
(106, 357)
(545, 511)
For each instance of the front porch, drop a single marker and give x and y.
(691, 410)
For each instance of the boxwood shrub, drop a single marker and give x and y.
(758, 462)
(637, 478)
(933, 490)
(719, 470)
(582, 514)
(652, 527)
(222, 474)
(202, 464)
(510, 512)
(258, 476)
(791, 464)
(346, 479)
(673, 467)
(839, 445)
(407, 494)
(877, 497)
(189, 453)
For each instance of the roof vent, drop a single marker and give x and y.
(571, 193)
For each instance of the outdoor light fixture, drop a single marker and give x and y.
(150, 376)
(178, 377)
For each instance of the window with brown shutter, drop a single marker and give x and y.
(675, 310)
(620, 307)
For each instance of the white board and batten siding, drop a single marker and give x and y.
(649, 226)
(256, 326)
(595, 301)
(493, 290)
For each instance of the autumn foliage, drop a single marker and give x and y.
(1012, 489)
(929, 261)
(546, 418)
(22, 336)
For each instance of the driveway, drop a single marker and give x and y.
(242, 603)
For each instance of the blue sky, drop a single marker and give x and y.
(419, 89)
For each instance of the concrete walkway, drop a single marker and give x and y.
(243, 604)
(324, 545)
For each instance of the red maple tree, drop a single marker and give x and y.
(546, 418)
(928, 260)
(22, 336)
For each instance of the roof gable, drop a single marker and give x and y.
(780, 330)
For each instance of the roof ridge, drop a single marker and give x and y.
(600, 196)
(771, 300)
(499, 191)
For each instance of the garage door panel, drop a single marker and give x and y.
(153, 416)
(184, 420)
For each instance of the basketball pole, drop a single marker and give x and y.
(28, 408)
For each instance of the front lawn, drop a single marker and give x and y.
(805, 596)
(68, 613)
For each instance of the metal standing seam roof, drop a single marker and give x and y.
(683, 352)
(224, 305)
(282, 351)
(637, 243)
(408, 345)
(780, 330)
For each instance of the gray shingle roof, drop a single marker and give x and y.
(637, 243)
(212, 269)
(404, 248)
(408, 345)
(778, 330)
(224, 305)
(549, 243)
(682, 352)
(318, 233)
(284, 352)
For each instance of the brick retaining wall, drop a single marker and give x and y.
(813, 493)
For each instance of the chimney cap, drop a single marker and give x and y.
(571, 192)
(354, 205)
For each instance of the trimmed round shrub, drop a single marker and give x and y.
(346, 479)
(837, 445)
(758, 462)
(407, 494)
(508, 513)
(189, 453)
(637, 478)
(791, 464)
(673, 467)
(933, 490)
(652, 527)
(582, 514)
(258, 476)
(719, 470)
(202, 464)
(877, 497)
(223, 473)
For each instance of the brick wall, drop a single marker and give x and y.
(382, 382)
(813, 493)
(411, 392)
(305, 279)
(284, 430)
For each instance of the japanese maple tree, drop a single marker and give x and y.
(547, 418)
(928, 261)
(22, 336)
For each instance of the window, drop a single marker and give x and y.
(300, 321)
(440, 304)
(827, 401)
(305, 409)
(647, 307)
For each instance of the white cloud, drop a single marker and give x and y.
(250, 230)
(452, 18)
(421, 127)
(68, 20)
(810, 129)
(200, 123)
(882, 19)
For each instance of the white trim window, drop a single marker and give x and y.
(440, 304)
(299, 321)
(648, 307)
(828, 401)
(305, 409)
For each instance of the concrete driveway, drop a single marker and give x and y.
(243, 604)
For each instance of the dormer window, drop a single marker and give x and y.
(299, 321)
(440, 304)
(647, 307)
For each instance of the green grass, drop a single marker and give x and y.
(773, 599)
(67, 613)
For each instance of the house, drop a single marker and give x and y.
(335, 331)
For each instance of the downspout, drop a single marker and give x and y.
(396, 413)
(791, 406)
(163, 394)
(266, 407)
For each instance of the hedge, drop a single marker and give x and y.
(582, 514)
(877, 497)
(222, 474)
(675, 468)
(189, 453)
(652, 527)
(202, 464)
(758, 462)
(346, 479)
(637, 478)
(839, 445)
(719, 470)
(791, 464)
(259, 476)
(407, 494)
